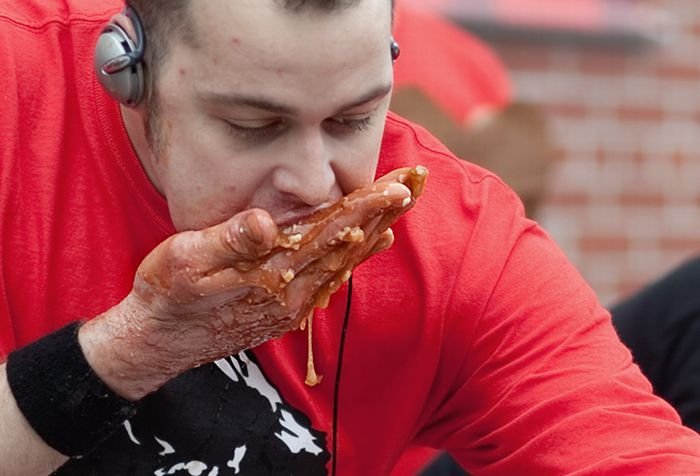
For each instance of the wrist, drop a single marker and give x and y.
(117, 346)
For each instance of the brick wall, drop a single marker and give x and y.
(624, 202)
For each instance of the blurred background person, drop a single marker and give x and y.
(452, 83)
(661, 324)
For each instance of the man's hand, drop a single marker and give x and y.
(202, 295)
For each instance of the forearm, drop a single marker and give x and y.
(54, 405)
(22, 451)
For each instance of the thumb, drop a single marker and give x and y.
(247, 236)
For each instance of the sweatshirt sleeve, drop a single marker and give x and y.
(545, 385)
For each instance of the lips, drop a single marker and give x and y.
(292, 217)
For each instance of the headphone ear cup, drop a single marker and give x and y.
(127, 85)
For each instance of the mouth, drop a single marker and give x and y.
(292, 217)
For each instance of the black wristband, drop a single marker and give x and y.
(60, 395)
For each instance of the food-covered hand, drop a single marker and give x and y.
(202, 295)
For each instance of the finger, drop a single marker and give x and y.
(345, 224)
(323, 267)
(390, 215)
(312, 289)
(329, 273)
(385, 241)
(240, 241)
(357, 253)
(413, 177)
(397, 175)
(364, 204)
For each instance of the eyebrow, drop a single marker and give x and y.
(238, 100)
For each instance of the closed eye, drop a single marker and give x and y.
(342, 126)
(255, 132)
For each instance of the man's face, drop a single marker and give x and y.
(273, 108)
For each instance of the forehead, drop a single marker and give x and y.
(243, 44)
(271, 19)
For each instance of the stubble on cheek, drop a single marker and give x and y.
(158, 132)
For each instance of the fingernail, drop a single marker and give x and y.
(396, 190)
(253, 231)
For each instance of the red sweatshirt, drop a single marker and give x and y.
(473, 333)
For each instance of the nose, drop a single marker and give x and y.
(307, 170)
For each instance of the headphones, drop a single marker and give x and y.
(395, 49)
(118, 61)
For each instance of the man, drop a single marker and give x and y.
(154, 220)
